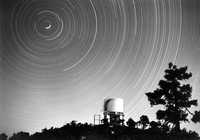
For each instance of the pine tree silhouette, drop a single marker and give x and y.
(175, 95)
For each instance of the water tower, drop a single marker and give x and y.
(113, 111)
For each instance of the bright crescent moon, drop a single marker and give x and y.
(48, 27)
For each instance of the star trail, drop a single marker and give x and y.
(60, 59)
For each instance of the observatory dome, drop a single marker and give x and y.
(114, 105)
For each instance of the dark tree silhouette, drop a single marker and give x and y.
(144, 121)
(154, 125)
(20, 136)
(3, 136)
(196, 117)
(73, 123)
(131, 123)
(175, 95)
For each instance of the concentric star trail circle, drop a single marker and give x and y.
(48, 34)
(117, 45)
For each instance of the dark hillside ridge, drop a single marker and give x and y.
(101, 132)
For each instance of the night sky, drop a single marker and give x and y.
(61, 58)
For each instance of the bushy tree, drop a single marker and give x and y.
(144, 121)
(131, 123)
(196, 117)
(3, 136)
(175, 95)
(20, 136)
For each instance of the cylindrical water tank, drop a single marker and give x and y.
(114, 105)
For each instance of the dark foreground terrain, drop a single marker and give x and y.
(74, 131)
